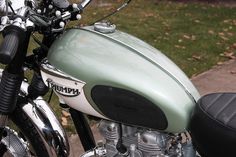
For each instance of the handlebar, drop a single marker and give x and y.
(12, 36)
(16, 32)
(12, 33)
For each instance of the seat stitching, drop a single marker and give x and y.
(212, 102)
(226, 105)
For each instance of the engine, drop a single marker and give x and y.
(122, 140)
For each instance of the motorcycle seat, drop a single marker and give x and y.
(221, 107)
(213, 125)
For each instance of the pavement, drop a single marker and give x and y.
(220, 78)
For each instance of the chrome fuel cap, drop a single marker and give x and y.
(104, 27)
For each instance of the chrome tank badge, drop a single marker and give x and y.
(61, 83)
(65, 91)
(68, 89)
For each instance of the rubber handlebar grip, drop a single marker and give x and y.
(10, 44)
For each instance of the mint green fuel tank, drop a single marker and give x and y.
(126, 80)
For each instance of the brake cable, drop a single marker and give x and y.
(114, 12)
(9, 3)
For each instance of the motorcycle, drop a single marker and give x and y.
(147, 105)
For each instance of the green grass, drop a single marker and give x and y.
(188, 33)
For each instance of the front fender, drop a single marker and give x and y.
(47, 125)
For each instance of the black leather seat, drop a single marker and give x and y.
(213, 125)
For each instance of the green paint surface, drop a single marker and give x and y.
(123, 61)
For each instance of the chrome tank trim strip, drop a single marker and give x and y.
(49, 69)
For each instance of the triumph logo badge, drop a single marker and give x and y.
(65, 91)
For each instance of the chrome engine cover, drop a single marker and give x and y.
(140, 142)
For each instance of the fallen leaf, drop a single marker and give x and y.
(222, 55)
(64, 121)
(64, 124)
(148, 14)
(177, 46)
(234, 45)
(221, 34)
(193, 37)
(220, 63)
(197, 21)
(224, 38)
(196, 57)
(190, 59)
(213, 6)
(186, 37)
(211, 32)
(180, 47)
(180, 40)
(229, 55)
(188, 14)
(226, 21)
(225, 30)
(65, 114)
(233, 72)
(230, 34)
(165, 38)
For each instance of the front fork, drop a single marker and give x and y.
(11, 81)
(45, 122)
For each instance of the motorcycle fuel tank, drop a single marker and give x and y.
(124, 79)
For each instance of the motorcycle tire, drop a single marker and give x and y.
(26, 127)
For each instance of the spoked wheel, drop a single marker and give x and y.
(13, 145)
(25, 142)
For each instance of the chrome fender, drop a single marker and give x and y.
(47, 125)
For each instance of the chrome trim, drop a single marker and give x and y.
(85, 3)
(46, 67)
(47, 125)
(16, 4)
(23, 11)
